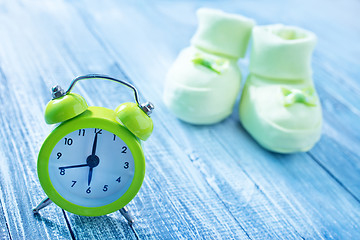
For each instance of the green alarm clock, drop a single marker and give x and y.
(92, 163)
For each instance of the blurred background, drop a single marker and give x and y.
(210, 182)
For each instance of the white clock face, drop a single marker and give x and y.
(91, 167)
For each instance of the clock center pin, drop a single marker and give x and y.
(92, 161)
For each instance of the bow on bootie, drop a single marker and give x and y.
(305, 96)
(215, 65)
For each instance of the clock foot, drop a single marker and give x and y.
(45, 202)
(125, 212)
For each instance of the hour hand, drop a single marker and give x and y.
(74, 166)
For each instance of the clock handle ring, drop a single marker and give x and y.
(146, 107)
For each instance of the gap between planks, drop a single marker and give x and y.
(4, 222)
(333, 176)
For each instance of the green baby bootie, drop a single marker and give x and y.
(202, 85)
(279, 106)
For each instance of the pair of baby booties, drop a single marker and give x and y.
(279, 106)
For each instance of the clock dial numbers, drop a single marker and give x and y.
(82, 132)
(94, 144)
(68, 141)
(97, 131)
(124, 148)
(92, 169)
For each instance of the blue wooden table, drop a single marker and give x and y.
(211, 182)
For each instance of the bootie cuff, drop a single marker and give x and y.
(282, 52)
(222, 33)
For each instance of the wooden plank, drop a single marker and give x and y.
(111, 226)
(4, 230)
(175, 201)
(335, 74)
(18, 173)
(298, 187)
(323, 178)
(20, 138)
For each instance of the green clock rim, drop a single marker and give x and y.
(94, 117)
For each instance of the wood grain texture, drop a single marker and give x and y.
(210, 182)
(4, 229)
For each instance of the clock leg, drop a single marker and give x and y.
(45, 202)
(125, 212)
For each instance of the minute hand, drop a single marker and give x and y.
(74, 166)
(94, 145)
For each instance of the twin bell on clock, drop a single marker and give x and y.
(92, 163)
